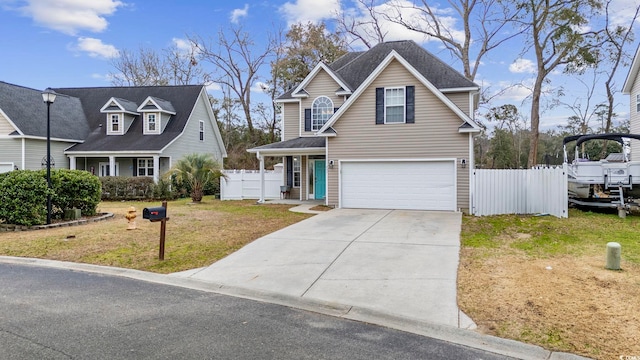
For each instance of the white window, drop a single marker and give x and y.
(145, 167)
(638, 103)
(296, 171)
(151, 123)
(115, 123)
(394, 105)
(201, 130)
(321, 111)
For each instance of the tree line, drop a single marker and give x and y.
(579, 38)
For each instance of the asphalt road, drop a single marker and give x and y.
(61, 314)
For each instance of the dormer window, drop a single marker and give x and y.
(115, 123)
(120, 114)
(157, 114)
(152, 123)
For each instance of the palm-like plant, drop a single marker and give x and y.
(196, 171)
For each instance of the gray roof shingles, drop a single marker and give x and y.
(353, 68)
(297, 143)
(26, 109)
(182, 100)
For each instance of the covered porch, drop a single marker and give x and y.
(125, 164)
(305, 167)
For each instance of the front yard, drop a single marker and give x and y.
(541, 280)
(197, 235)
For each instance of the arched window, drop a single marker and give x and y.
(321, 111)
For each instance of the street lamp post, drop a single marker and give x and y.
(49, 96)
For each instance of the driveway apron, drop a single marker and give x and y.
(392, 261)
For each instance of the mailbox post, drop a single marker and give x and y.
(155, 214)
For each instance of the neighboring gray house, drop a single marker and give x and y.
(391, 127)
(126, 131)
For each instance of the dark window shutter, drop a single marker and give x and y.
(135, 166)
(290, 171)
(307, 119)
(410, 103)
(379, 105)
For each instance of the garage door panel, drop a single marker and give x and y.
(421, 185)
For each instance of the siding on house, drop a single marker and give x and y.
(461, 100)
(5, 127)
(291, 119)
(189, 142)
(11, 151)
(36, 152)
(634, 119)
(434, 134)
(321, 85)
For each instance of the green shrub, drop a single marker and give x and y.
(23, 197)
(75, 189)
(127, 187)
(163, 190)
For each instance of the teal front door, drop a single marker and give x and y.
(320, 180)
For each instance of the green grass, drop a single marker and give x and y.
(544, 236)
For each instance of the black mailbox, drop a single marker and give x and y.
(154, 213)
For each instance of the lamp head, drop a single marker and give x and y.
(49, 96)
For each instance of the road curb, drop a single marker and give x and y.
(451, 334)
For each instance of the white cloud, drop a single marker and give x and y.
(259, 87)
(411, 14)
(96, 48)
(214, 87)
(510, 92)
(309, 10)
(236, 14)
(71, 16)
(521, 66)
(621, 12)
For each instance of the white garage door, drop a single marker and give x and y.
(412, 185)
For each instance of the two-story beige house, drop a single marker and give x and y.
(387, 128)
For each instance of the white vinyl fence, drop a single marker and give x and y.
(245, 184)
(531, 191)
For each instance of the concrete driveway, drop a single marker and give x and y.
(391, 261)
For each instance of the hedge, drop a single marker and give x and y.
(23, 198)
(75, 189)
(23, 195)
(137, 188)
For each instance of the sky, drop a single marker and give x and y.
(73, 43)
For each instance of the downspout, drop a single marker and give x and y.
(261, 158)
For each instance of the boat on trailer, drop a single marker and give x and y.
(610, 182)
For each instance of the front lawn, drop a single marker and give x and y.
(542, 280)
(197, 235)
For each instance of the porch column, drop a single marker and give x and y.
(156, 168)
(72, 162)
(112, 166)
(261, 201)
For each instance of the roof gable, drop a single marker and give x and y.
(300, 92)
(394, 56)
(157, 104)
(120, 105)
(353, 68)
